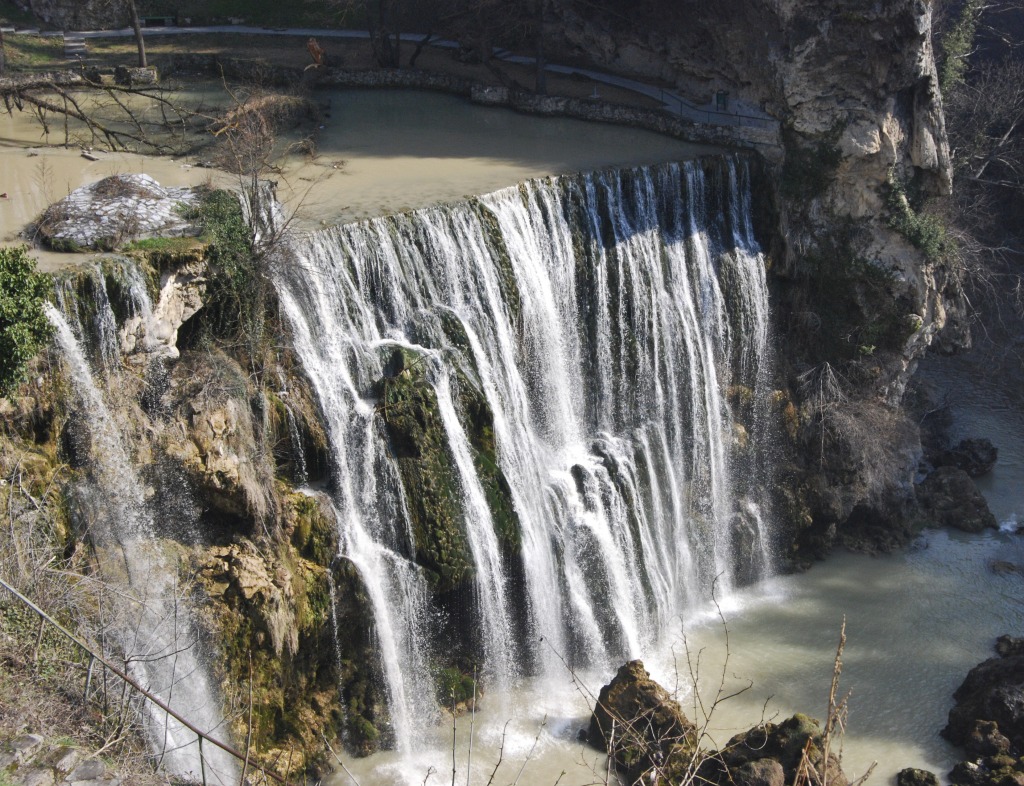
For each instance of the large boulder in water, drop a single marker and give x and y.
(771, 754)
(915, 777)
(988, 717)
(976, 457)
(113, 211)
(637, 722)
(949, 498)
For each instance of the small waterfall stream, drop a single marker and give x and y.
(604, 319)
(153, 627)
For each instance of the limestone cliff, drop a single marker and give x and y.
(858, 295)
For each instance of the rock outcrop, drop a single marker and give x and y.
(975, 456)
(949, 498)
(989, 712)
(642, 727)
(637, 722)
(855, 88)
(104, 215)
(771, 755)
(32, 760)
(987, 720)
(912, 776)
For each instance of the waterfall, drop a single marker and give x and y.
(153, 627)
(603, 319)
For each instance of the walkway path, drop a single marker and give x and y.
(738, 113)
(74, 48)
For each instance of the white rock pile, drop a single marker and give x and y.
(116, 210)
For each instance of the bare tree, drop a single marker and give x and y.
(133, 12)
(108, 113)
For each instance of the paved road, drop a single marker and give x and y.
(739, 113)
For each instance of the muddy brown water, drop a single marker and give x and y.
(377, 152)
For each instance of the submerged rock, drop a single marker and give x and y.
(976, 457)
(950, 498)
(1009, 645)
(912, 776)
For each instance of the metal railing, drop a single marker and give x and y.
(95, 657)
(684, 109)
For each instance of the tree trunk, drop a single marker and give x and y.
(3, 53)
(134, 12)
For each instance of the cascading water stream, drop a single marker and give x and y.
(603, 318)
(154, 627)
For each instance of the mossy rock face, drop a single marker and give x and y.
(364, 717)
(478, 421)
(409, 409)
(784, 743)
(511, 295)
(639, 723)
(297, 437)
(314, 535)
(410, 412)
(271, 613)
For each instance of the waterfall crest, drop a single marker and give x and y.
(567, 350)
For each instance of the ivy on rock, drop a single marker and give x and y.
(24, 328)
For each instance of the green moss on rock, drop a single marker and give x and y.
(409, 408)
(313, 534)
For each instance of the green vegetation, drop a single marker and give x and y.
(239, 305)
(167, 245)
(925, 231)
(956, 46)
(454, 687)
(24, 327)
(32, 53)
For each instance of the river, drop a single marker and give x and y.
(378, 152)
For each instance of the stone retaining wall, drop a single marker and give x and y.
(766, 140)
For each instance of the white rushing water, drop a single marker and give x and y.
(603, 317)
(916, 623)
(152, 623)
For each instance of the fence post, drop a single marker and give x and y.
(202, 762)
(88, 675)
(39, 641)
